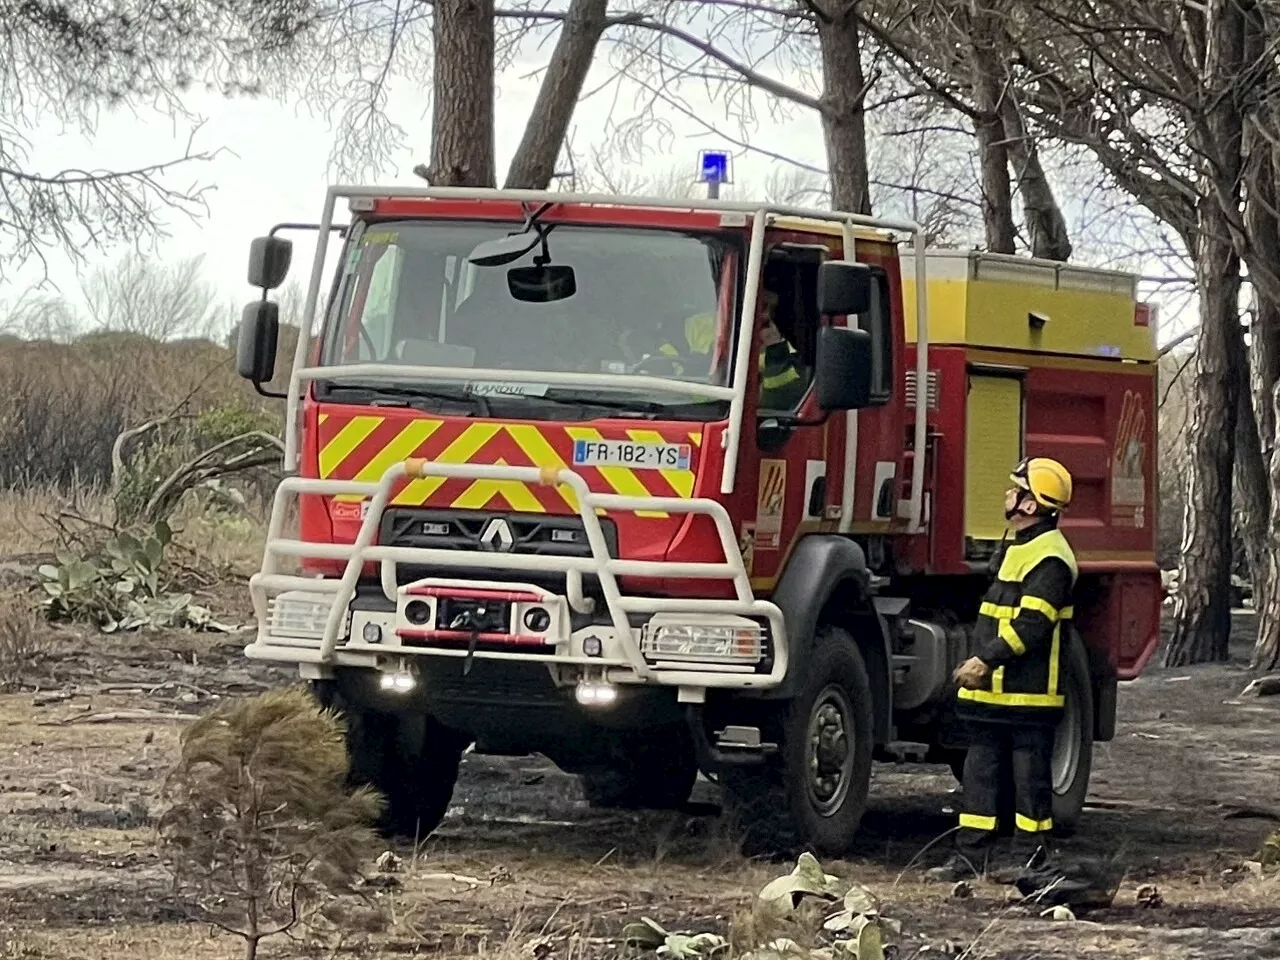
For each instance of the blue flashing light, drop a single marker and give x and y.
(713, 166)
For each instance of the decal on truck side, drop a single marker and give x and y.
(1128, 458)
(770, 498)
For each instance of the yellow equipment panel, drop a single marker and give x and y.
(1018, 303)
(993, 444)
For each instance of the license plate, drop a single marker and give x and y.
(637, 456)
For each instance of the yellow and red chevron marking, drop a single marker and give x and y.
(362, 446)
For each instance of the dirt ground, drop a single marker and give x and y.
(521, 858)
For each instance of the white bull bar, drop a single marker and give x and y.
(632, 666)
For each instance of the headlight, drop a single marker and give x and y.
(733, 639)
(299, 614)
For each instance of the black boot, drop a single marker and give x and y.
(959, 867)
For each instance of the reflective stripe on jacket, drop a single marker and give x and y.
(782, 382)
(1019, 629)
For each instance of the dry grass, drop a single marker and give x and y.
(27, 526)
(22, 641)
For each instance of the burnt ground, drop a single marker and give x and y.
(1183, 796)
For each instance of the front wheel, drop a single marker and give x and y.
(652, 770)
(411, 759)
(817, 798)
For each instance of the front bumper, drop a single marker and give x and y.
(692, 644)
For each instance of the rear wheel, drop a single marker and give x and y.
(411, 759)
(816, 797)
(654, 770)
(1073, 740)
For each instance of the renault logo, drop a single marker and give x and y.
(497, 536)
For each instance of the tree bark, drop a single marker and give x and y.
(1255, 447)
(462, 134)
(1253, 483)
(1202, 609)
(1266, 649)
(534, 164)
(844, 121)
(988, 78)
(1046, 225)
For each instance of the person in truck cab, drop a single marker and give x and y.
(1010, 692)
(783, 380)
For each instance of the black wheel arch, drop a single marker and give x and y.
(826, 581)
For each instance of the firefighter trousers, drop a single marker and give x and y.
(1000, 753)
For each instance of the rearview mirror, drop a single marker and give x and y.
(544, 284)
(498, 253)
(256, 342)
(844, 288)
(842, 371)
(269, 259)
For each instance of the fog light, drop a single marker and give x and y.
(417, 612)
(402, 681)
(592, 646)
(371, 632)
(537, 619)
(593, 693)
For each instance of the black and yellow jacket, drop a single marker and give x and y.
(1019, 630)
(783, 383)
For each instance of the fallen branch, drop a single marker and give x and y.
(120, 716)
(1262, 687)
(199, 469)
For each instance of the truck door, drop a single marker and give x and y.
(783, 483)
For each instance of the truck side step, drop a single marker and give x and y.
(734, 745)
(743, 738)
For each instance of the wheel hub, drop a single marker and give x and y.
(829, 756)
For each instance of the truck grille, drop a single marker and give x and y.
(538, 534)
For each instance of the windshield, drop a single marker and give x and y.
(641, 301)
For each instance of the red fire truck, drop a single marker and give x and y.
(542, 497)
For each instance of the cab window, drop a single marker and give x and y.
(878, 321)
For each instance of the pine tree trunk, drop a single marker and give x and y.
(534, 164)
(1266, 650)
(1253, 483)
(462, 135)
(1046, 225)
(988, 80)
(844, 120)
(1202, 607)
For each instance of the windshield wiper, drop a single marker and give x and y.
(648, 409)
(401, 395)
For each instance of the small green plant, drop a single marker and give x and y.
(118, 587)
(261, 836)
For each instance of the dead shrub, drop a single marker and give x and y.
(261, 836)
(22, 645)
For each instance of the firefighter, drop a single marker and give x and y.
(1010, 692)
(782, 377)
(698, 335)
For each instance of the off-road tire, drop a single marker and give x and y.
(655, 770)
(1069, 792)
(774, 808)
(411, 759)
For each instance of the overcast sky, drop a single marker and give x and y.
(274, 164)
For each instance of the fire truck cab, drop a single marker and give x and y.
(655, 487)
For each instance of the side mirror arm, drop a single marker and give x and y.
(269, 394)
